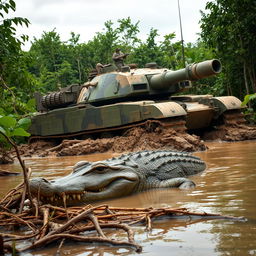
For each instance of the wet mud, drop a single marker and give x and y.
(138, 138)
(134, 139)
(233, 132)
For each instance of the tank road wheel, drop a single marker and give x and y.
(151, 125)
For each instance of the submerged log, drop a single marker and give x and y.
(6, 173)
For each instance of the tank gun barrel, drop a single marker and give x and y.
(192, 72)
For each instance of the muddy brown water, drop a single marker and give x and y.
(228, 186)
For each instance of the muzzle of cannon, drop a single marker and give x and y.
(192, 72)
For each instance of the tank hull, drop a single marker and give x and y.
(84, 118)
(198, 111)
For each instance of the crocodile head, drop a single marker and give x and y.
(88, 182)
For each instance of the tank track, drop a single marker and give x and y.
(176, 123)
(234, 117)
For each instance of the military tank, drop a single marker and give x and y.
(116, 100)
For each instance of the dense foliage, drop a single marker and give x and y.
(229, 28)
(57, 64)
(16, 82)
(51, 63)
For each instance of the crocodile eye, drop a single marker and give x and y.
(100, 169)
(45, 180)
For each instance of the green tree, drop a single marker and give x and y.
(17, 83)
(103, 43)
(47, 51)
(228, 27)
(124, 36)
(148, 51)
(55, 62)
(11, 128)
(75, 51)
(127, 33)
(170, 51)
(10, 44)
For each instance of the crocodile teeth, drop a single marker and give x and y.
(79, 197)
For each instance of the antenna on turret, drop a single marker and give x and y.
(181, 34)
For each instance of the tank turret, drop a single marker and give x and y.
(146, 83)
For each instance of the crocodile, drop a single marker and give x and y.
(119, 176)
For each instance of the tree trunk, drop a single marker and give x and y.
(245, 80)
(252, 79)
(79, 69)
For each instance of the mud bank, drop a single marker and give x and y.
(139, 138)
(233, 132)
(134, 139)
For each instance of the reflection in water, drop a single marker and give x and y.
(226, 187)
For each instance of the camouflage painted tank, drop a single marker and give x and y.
(114, 100)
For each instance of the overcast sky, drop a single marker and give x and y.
(86, 17)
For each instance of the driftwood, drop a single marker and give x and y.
(46, 224)
(6, 173)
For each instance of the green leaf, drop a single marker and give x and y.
(248, 98)
(12, 5)
(5, 9)
(2, 130)
(2, 112)
(31, 104)
(20, 132)
(24, 123)
(252, 96)
(7, 122)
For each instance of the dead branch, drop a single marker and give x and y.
(16, 237)
(61, 243)
(20, 220)
(25, 172)
(149, 226)
(45, 212)
(54, 237)
(96, 224)
(63, 144)
(74, 222)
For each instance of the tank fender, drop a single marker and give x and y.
(225, 103)
(163, 110)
